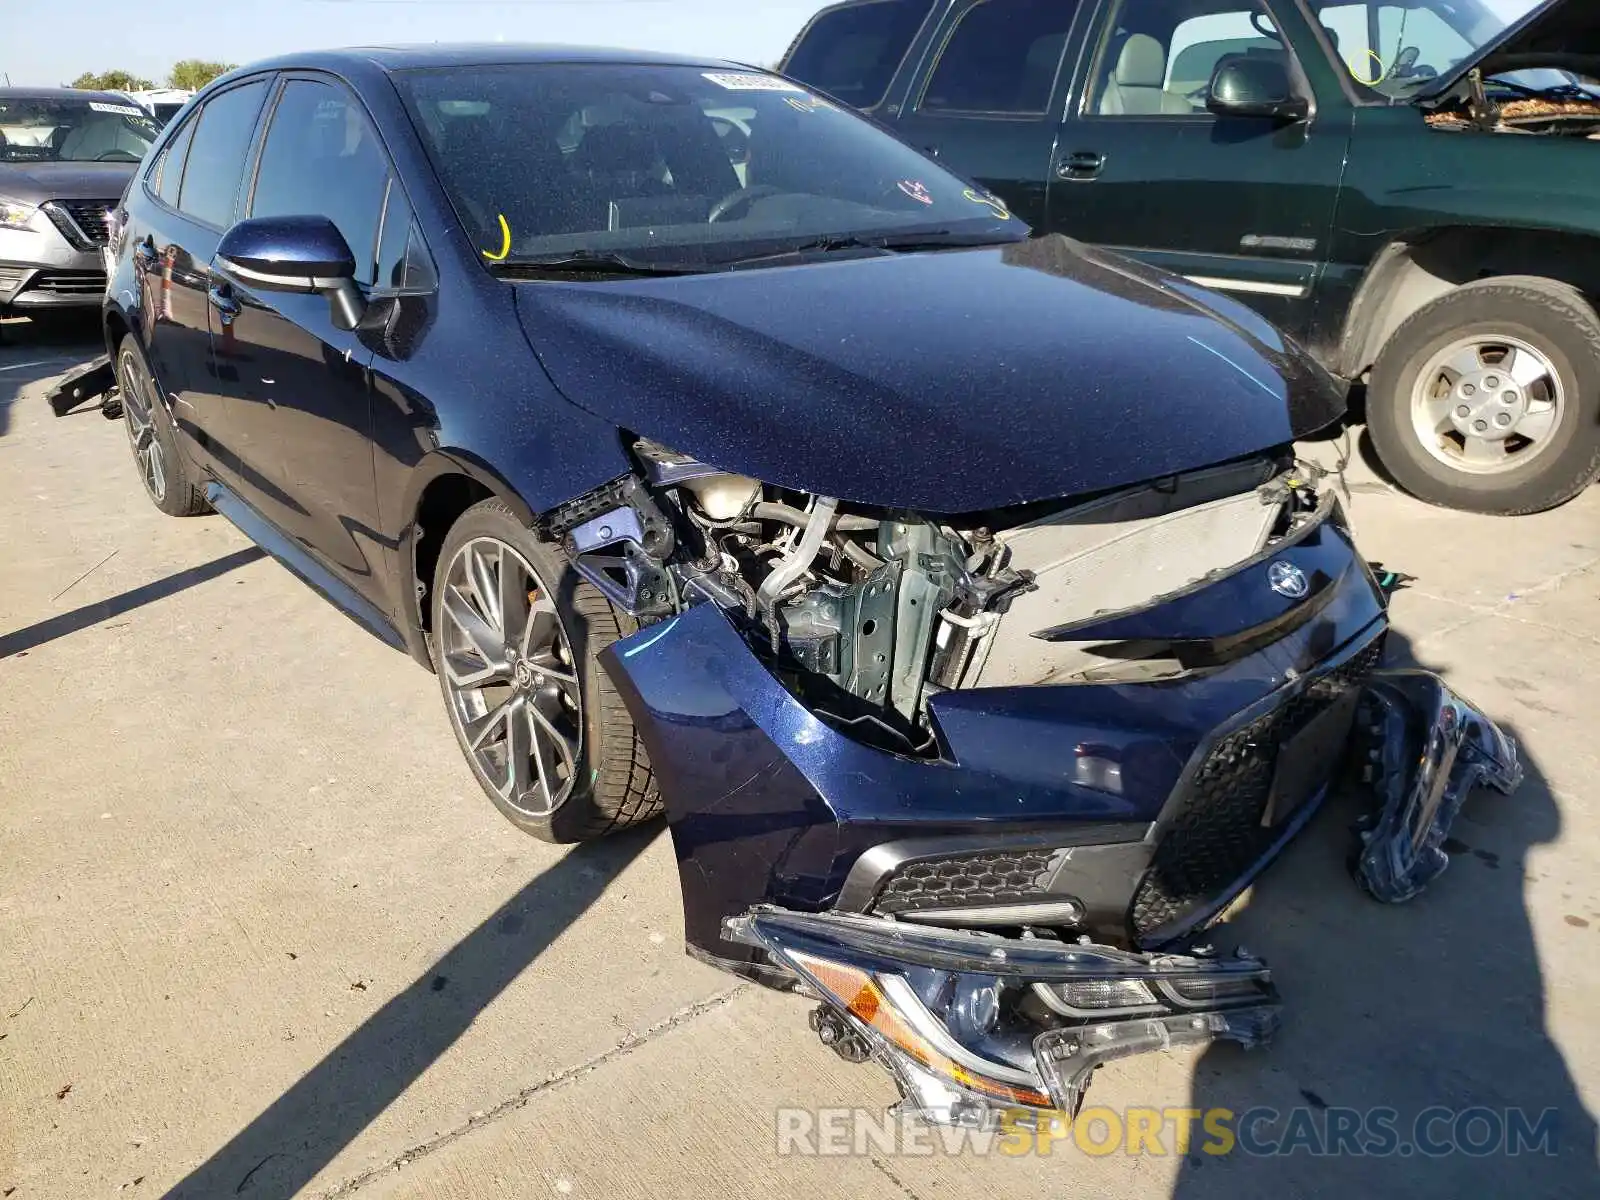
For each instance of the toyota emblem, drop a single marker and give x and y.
(1288, 580)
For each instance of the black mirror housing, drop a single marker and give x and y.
(1255, 85)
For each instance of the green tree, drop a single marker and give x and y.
(112, 81)
(192, 74)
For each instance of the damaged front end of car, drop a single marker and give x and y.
(979, 783)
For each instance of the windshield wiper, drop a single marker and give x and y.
(593, 262)
(1556, 91)
(890, 243)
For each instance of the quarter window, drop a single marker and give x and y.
(1002, 57)
(322, 157)
(170, 172)
(216, 154)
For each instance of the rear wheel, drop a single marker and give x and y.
(516, 637)
(168, 478)
(1488, 399)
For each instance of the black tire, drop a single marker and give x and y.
(1551, 317)
(178, 493)
(613, 787)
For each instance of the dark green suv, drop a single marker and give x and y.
(1406, 187)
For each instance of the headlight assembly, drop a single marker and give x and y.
(976, 1025)
(15, 215)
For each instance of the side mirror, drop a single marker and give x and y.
(1255, 85)
(295, 254)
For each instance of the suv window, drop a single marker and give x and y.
(321, 156)
(853, 52)
(216, 153)
(1158, 58)
(1001, 57)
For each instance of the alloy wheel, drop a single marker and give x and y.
(510, 676)
(1487, 405)
(137, 411)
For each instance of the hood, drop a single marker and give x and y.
(950, 382)
(36, 182)
(1563, 34)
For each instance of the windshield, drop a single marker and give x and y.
(686, 165)
(1398, 47)
(72, 130)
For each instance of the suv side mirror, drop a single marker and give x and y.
(295, 254)
(1255, 85)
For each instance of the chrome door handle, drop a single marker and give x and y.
(1083, 164)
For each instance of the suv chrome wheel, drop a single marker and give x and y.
(510, 677)
(1487, 405)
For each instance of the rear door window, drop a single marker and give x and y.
(1001, 57)
(321, 157)
(217, 152)
(853, 51)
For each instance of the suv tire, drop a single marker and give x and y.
(516, 635)
(1548, 336)
(169, 480)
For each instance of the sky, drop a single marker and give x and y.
(39, 47)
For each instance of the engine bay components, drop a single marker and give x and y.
(865, 613)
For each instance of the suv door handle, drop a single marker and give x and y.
(1082, 164)
(221, 297)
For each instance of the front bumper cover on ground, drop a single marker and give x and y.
(978, 1027)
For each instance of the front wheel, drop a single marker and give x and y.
(168, 478)
(1488, 399)
(516, 635)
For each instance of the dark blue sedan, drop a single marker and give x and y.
(956, 592)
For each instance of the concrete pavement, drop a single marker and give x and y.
(261, 936)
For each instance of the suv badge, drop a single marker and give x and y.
(1288, 580)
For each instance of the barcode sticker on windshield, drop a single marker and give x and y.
(122, 110)
(741, 81)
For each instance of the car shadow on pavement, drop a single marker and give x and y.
(30, 636)
(304, 1129)
(29, 353)
(1433, 1009)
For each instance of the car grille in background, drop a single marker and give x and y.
(69, 283)
(997, 877)
(82, 222)
(1219, 833)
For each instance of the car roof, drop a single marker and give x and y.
(426, 55)
(60, 93)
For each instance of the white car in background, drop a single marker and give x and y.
(162, 103)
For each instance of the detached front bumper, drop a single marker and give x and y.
(976, 1027)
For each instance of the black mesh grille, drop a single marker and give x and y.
(1218, 833)
(1001, 877)
(83, 222)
